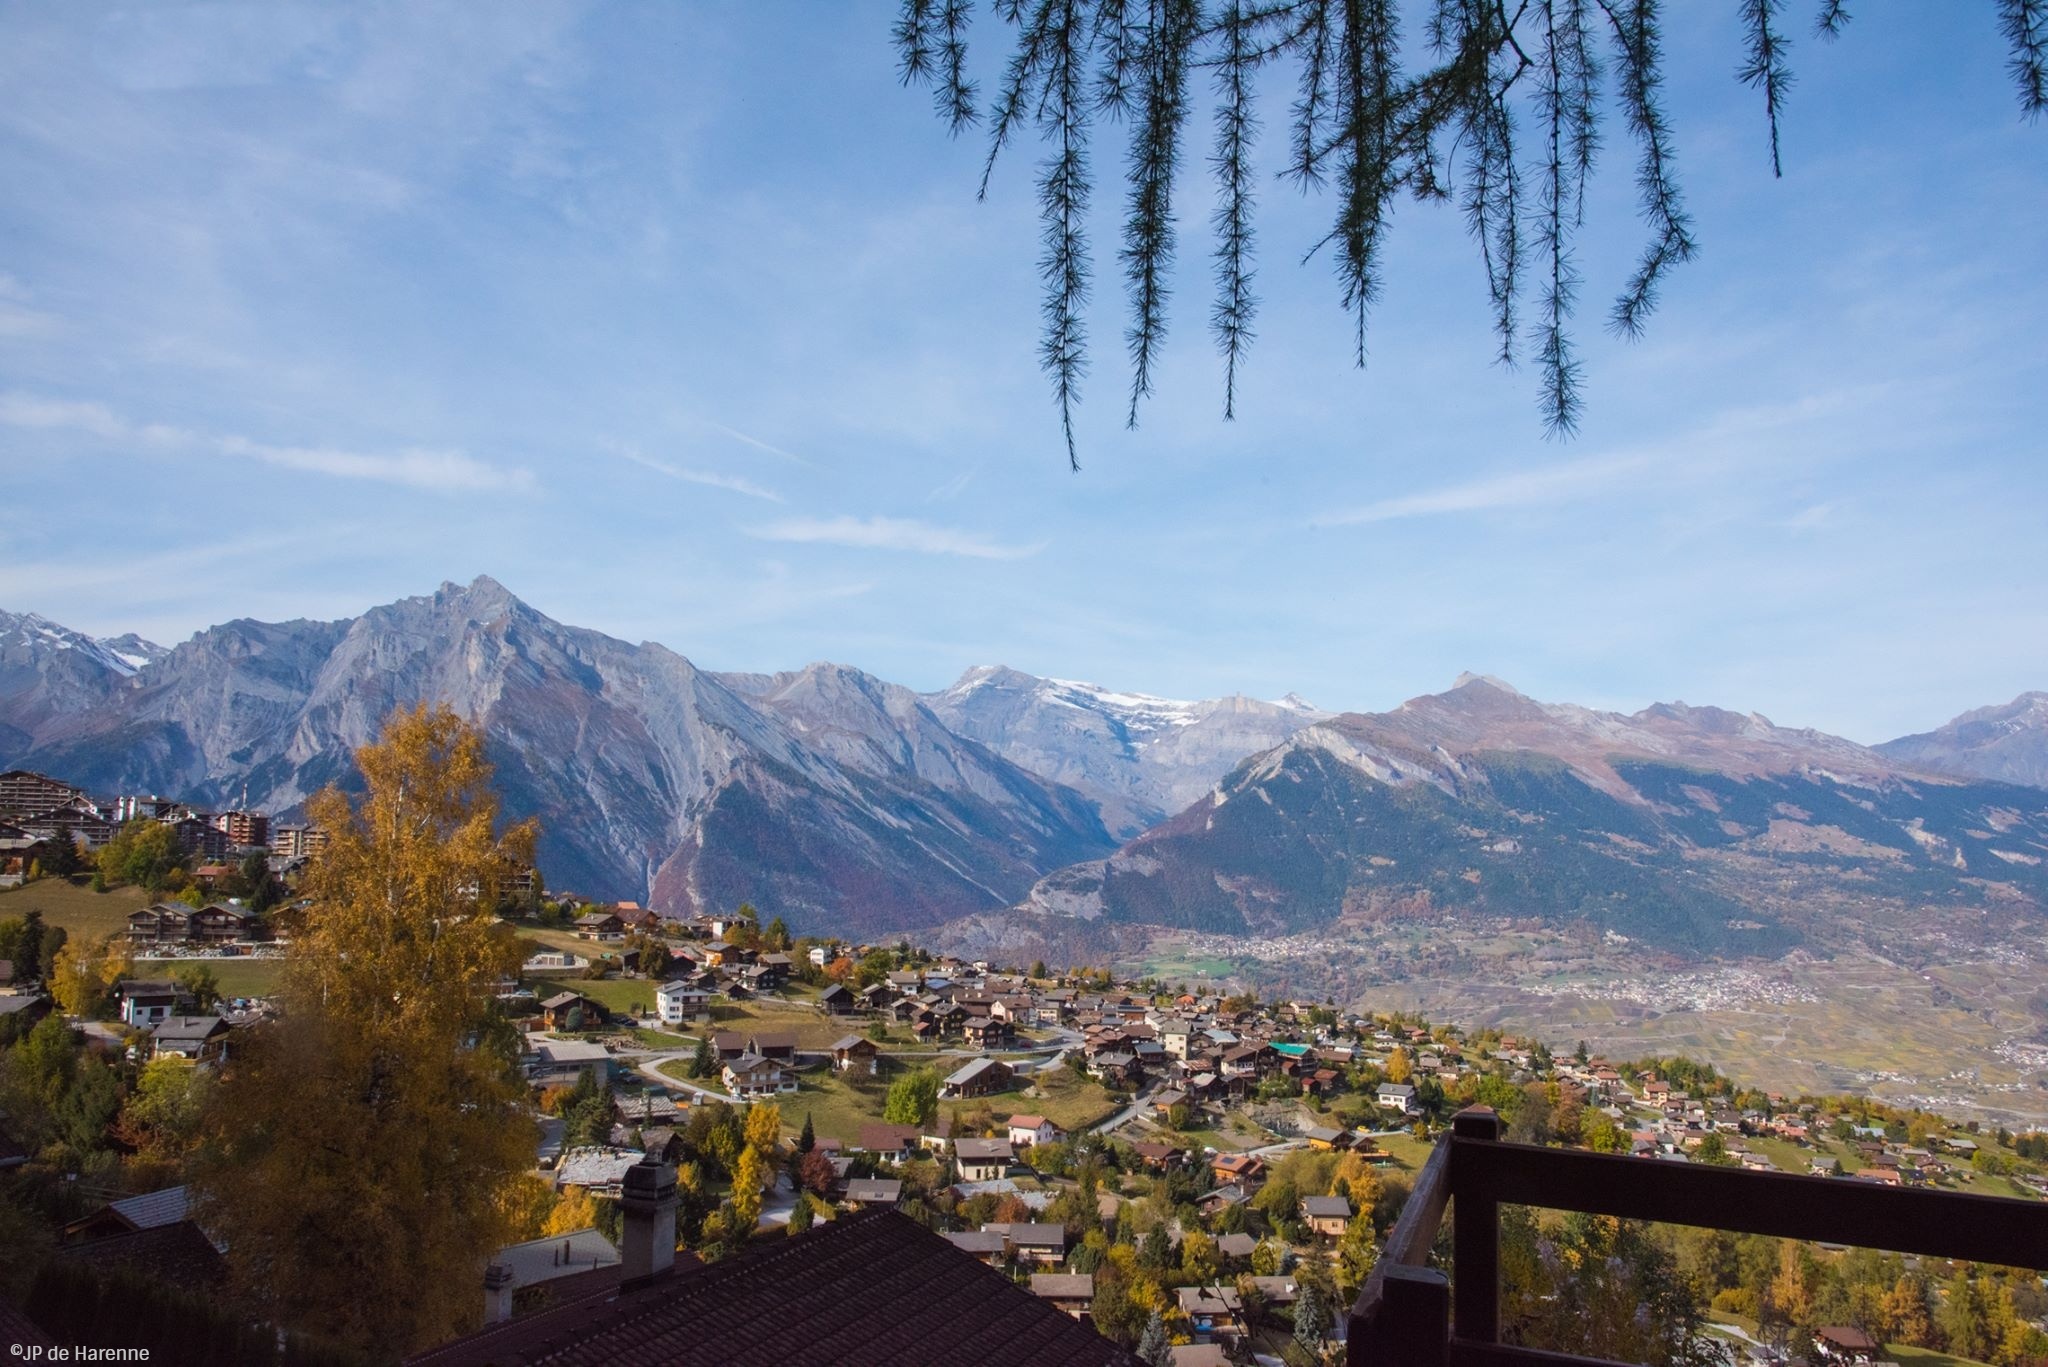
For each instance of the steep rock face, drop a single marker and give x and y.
(2008, 743)
(1682, 827)
(832, 797)
(1141, 757)
(58, 672)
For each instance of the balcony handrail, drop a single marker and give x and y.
(1405, 1313)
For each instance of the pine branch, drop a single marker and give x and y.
(1638, 51)
(1231, 318)
(2025, 25)
(1766, 68)
(1025, 74)
(1312, 105)
(954, 97)
(1149, 239)
(1560, 394)
(1063, 191)
(1833, 18)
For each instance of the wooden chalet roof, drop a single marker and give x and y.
(874, 1288)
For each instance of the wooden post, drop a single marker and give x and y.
(1412, 1328)
(1475, 1230)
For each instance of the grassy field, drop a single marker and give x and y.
(839, 1105)
(1926, 1357)
(238, 977)
(620, 996)
(74, 906)
(1785, 1155)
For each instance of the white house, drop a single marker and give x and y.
(677, 1002)
(1026, 1130)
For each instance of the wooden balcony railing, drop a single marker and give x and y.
(1412, 1315)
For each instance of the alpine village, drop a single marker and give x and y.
(564, 1131)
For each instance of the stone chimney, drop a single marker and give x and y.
(647, 1247)
(497, 1294)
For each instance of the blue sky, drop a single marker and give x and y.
(683, 321)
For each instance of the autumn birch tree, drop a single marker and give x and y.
(364, 1145)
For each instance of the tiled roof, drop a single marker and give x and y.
(176, 1253)
(154, 1208)
(18, 1328)
(875, 1288)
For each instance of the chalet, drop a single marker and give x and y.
(1116, 1068)
(856, 1054)
(1329, 1216)
(982, 1077)
(151, 1210)
(873, 997)
(1399, 1096)
(1070, 1293)
(555, 1010)
(1324, 1138)
(1214, 1312)
(776, 1045)
(1839, 1343)
(988, 1246)
(560, 1062)
(600, 1170)
(23, 1011)
(1242, 1169)
(907, 981)
(873, 1191)
(676, 1002)
(1221, 1199)
(837, 1001)
(891, 1143)
(1045, 1244)
(1160, 1157)
(728, 1045)
(1026, 1130)
(751, 1075)
(146, 1004)
(986, 1032)
(771, 971)
(983, 1160)
(600, 925)
(1235, 1249)
(215, 924)
(160, 923)
(194, 1037)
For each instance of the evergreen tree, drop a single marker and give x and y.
(1153, 1346)
(808, 1140)
(1311, 1318)
(702, 1064)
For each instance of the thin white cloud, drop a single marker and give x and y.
(757, 443)
(1567, 483)
(709, 479)
(892, 534)
(441, 471)
(953, 487)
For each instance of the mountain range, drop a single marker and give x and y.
(845, 802)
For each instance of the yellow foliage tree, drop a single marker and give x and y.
(573, 1210)
(764, 1127)
(747, 1177)
(84, 974)
(527, 1203)
(362, 1144)
(1399, 1069)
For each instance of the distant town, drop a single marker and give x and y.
(1198, 1177)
